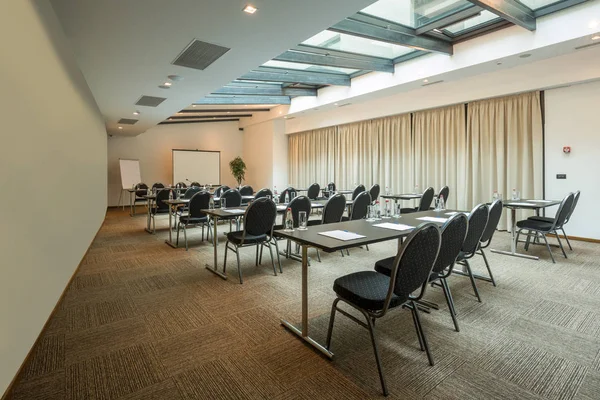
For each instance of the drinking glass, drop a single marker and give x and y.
(370, 213)
(302, 221)
(397, 207)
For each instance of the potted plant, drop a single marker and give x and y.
(238, 169)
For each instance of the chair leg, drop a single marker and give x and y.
(367, 247)
(517, 239)
(237, 254)
(202, 237)
(417, 328)
(278, 258)
(429, 357)
(347, 252)
(566, 238)
(377, 359)
(342, 253)
(560, 244)
(472, 280)
(272, 259)
(177, 240)
(185, 237)
(318, 255)
(549, 250)
(225, 258)
(528, 241)
(487, 265)
(260, 256)
(450, 303)
(256, 258)
(331, 320)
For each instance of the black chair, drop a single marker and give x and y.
(444, 192)
(180, 185)
(188, 194)
(220, 190)
(246, 190)
(300, 203)
(199, 201)
(259, 219)
(478, 219)
(291, 192)
(454, 232)
(536, 228)
(195, 184)
(231, 198)
(488, 234)
(313, 191)
(358, 210)
(332, 212)
(374, 192)
(141, 189)
(157, 185)
(562, 228)
(358, 190)
(424, 203)
(373, 294)
(263, 193)
(160, 207)
(330, 189)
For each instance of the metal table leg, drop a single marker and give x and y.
(149, 218)
(172, 208)
(303, 332)
(213, 269)
(513, 240)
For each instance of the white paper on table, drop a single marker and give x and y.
(233, 211)
(510, 204)
(280, 208)
(540, 201)
(342, 235)
(396, 227)
(433, 219)
(457, 212)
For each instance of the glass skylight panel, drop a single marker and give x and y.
(537, 4)
(355, 44)
(399, 11)
(473, 22)
(308, 67)
(427, 11)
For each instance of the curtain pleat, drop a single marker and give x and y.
(353, 157)
(310, 157)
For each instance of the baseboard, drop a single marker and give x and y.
(8, 391)
(581, 239)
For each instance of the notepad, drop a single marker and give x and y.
(396, 227)
(510, 204)
(433, 219)
(281, 208)
(342, 235)
(540, 201)
(457, 212)
(233, 211)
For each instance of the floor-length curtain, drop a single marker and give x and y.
(311, 157)
(392, 153)
(439, 141)
(505, 148)
(353, 158)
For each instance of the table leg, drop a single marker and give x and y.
(303, 332)
(513, 240)
(172, 208)
(130, 204)
(215, 246)
(149, 217)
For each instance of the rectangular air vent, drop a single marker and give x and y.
(127, 121)
(150, 101)
(199, 55)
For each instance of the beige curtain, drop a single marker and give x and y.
(353, 155)
(439, 152)
(505, 149)
(311, 157)
(392, 153)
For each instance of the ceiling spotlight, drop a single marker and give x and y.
(526, 55)
(425, 80)
(250, 9)
(596, 37)
(120, 127)
(279, 112)
(167, 83)
(175, 78)
(136, 113)
(335, 104)
(437, 30)
(228, 112)
(193, 105)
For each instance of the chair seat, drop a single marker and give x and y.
(408, 210)
(314, 222)
(186, 219)
(236, 237)
(542, 219)
(534, 225)
(138, 199)
(344, 219)
(366, 289)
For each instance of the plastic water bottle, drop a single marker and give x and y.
(377, 210)
(387, 191)
(287, 197)
(441, 204)
(289, 220)
(495, 195)
(170, 195)
(387, 209)
(211, 203)
(275, 190)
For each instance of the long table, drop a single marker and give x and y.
(311, 238)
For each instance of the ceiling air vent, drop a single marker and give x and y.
(127, 121)
(150, 101)
(199, 54)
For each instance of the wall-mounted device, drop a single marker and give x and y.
(567, 149)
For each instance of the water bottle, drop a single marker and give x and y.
(387, 191)
(287, 197)
(289, 220)
(377, 210)
(441, 204)
(495, 195)
(148, 192)
(514, 194)
(387, 209)
(211, 203)
(170, 195)
(275, 190)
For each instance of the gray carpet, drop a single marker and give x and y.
(144, 321)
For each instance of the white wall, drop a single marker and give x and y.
(572, 120)
(53, 137)
(154, 150)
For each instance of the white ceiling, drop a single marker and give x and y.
(125, 47)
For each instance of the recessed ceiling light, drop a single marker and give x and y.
(228, 112)
(193, 105)
(285, 117)
(136, 113)
(120, 127)
(425, 80)
(167, 83)
(250, 9)
(526, 55)
(279, 112)
(165, 86)
(335, 104)
(596, 37)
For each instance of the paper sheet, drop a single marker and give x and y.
(433, 219)
(540, 201)
(232, 211)
(281, 208)
(510, 204)
(396, 227)
(456, 212)
(342, 235)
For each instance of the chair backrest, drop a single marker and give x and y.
(289, 191)
(477, 221)
(141, 189)
(161, 196)
(220, 190)
(181, 185)
(331, 187)
(246, 190)
(563, 210)
(454, 232)
(232, 198)
(444, 192)
(493, 220)
(300, 203)
(191, 191)
(313, 191)
(360, 206)
(263, 193)
(374, 191)
(158, 185)
(358, 190)
(414, 262)
(260, 217)
(426, 200)
(195, 184)
(334, 209)
(200, 200)
(575, 201)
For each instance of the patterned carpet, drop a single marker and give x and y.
(144, 321)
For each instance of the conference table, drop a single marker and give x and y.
(523, 204)
(398, 229)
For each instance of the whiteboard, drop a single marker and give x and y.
(200, 166)
(130, 173)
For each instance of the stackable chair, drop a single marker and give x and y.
(358, 190)
(199, 201)
(374, 192)
(232, 198)
(160, 207)
(332, 212)
(313, 191)
(141, 189)
(424, 203)
(358, 210)
(263, 193)
(551, 219)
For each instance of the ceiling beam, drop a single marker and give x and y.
(197, 122)
(338, 53)
(362, 25)
(449, 19)
(295, 76)
(225, 99)
(510, 10)
(187, 117)
(225, 110)
(259, 90)
(335, 61)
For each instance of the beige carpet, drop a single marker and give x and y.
(144, 321)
